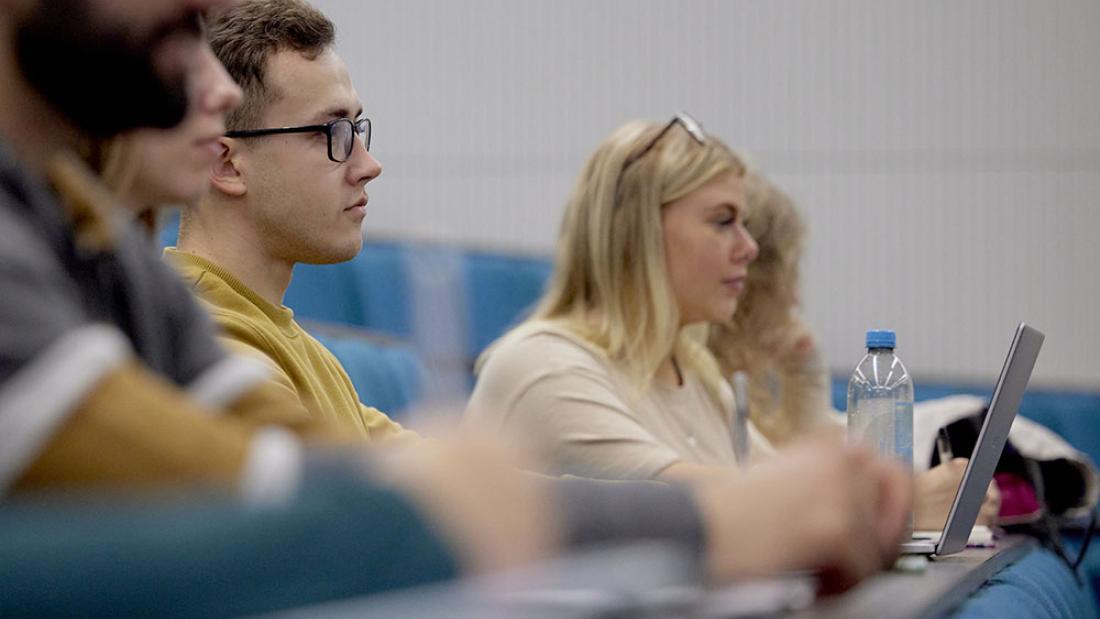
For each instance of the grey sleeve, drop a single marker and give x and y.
(185, 342)
(51, 352)
(38, 300)
(617, 511)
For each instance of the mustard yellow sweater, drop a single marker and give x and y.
(300, 363)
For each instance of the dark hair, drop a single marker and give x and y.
(247, 34)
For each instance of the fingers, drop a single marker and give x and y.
(935, 492)
(870, 499)
(895, 506)
(800, 510)
(888, 502)
(857, 554)
(837, 510)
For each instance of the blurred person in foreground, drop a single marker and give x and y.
(109, 377)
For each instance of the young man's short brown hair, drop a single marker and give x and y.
(246, 35)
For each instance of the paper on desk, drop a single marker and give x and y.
(981, 536)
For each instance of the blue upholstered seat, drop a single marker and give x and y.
(387, 376)
(376, 291)
(328, 292)
(501, 291)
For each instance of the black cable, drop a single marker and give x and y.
(1085, 542)
(1047, 527)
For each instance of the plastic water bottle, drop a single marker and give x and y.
(880, 401)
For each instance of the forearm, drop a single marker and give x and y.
(614, 511)
(212, 555)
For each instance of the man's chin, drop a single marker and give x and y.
(334, 256)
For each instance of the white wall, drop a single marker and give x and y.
(946, 154)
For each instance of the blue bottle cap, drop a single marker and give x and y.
(881, 338)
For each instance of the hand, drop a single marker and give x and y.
(809, 507)
(493, 514)
(935, 492)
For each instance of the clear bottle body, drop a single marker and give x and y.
(880, 406)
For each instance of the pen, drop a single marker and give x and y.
(943, 446)
(741, 418)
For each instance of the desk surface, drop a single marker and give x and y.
(944, 585)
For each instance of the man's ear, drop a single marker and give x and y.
(225, 172)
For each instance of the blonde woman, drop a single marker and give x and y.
(611, 372)
(788, 382)
(788, 386)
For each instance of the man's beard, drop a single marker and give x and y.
(96, 75)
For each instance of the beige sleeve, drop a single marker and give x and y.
(560, 397)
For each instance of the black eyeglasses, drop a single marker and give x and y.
(340, 133)
(692, 126)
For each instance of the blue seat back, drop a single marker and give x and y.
(386, 376)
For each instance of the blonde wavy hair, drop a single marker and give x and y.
(116, 161)
(771, 290)
(610, 284)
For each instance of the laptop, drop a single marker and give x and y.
(987, 451)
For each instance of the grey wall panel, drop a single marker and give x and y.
(963, 138)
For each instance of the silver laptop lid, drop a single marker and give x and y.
(991, 438)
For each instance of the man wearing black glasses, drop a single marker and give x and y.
(289, 187)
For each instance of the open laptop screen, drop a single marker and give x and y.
(991, 438)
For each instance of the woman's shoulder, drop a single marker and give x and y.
(546, 344)
(523, 373)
